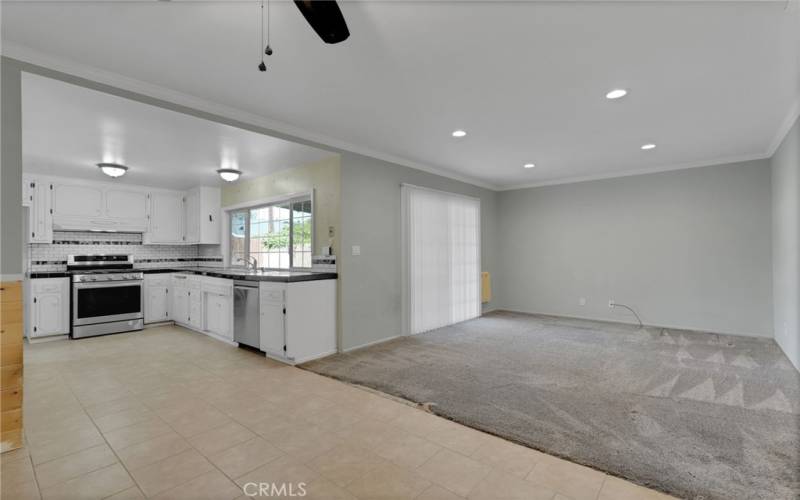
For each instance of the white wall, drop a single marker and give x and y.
(786, 243)
(687, 249)
(371, 283)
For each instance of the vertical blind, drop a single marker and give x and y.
(442, 239)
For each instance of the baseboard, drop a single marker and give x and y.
(621, 321)
(368, 344)
(49, 338)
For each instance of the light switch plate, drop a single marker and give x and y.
(356, 250)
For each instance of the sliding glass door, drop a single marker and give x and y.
(442, 258)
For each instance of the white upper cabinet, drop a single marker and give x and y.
(90, 206)
(40, 213)
(166, 218)
(202, 215)
(128, 208)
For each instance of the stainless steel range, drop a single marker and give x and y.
(107, 295)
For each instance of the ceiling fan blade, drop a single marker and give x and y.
(326, 19)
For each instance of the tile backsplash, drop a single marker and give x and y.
(53, 256)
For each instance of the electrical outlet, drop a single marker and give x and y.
(356, 250)
(611, 304)
(582, 301)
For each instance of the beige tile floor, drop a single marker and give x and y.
(172, 414)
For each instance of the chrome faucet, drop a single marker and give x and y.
(254, 263)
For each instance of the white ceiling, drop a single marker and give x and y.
(708, 81)
(67, 129)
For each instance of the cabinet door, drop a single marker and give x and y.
(210, 228)
(196, 309)
(77, 200)
(128, 208)
(180, 305)
(192, 216)
(273, 339)
(218, 315)
(50, 308)
(166, 218)
(157, 306)
(40, 215)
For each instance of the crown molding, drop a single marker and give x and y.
(639, 171)
(48, 62)
(786, 125)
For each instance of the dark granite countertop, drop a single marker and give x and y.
(217, 272)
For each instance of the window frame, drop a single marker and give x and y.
(263, 203)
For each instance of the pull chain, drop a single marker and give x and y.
(261, 66)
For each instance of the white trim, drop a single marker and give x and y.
(640, 171)
(450, 193)
(788, 122)
(35, 57)
(634, 323)
(369, 344)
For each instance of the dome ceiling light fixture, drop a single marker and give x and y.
(229, 174)
(113, 169)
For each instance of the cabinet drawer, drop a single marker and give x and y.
(157, 279)
(226, 290)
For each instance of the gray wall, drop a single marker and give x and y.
(786, 243)
(688, 249)
(371, 307)
(10, 172)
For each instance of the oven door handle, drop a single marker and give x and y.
(107, 284)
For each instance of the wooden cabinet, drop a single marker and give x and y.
(49, 307)
(166, 218)
(40, 212)
(11, 362)
(202, 215)
(157, 297)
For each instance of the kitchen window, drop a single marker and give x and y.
(273, 236)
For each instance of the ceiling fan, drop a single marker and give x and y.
(326, 18)
(323, 15)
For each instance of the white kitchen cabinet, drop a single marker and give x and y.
(298, 320)
(40, 213)
(127, 208)
(88, 206)
(187, 300)
(49, 307)
(202, 215)
(218, 306)
(166, 218)
(272, 298)
(27, 190)
(157, 297)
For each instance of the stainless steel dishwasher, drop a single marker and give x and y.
(245, 314)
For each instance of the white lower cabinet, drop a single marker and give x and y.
(49, 307)
(157, 297)
(298, 320)
(201, 303)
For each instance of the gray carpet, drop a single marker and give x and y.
(697, 415)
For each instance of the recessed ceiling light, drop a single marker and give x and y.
(459, 133)
(229, 174)
(113, 169)
(616, 94)
(529, 165)
(648, 146)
